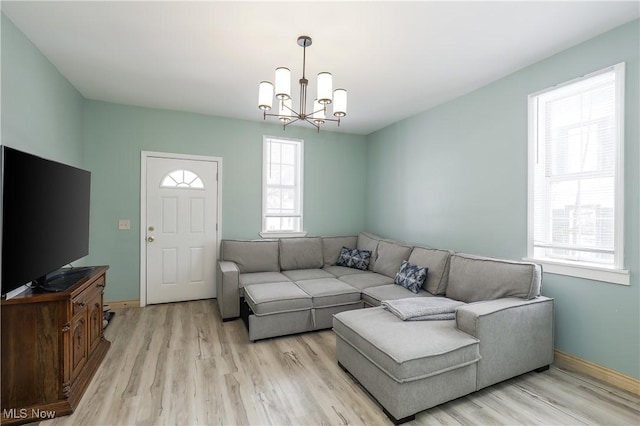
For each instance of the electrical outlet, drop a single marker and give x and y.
(124, 224)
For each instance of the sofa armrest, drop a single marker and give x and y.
(516, 336)
(228, 289)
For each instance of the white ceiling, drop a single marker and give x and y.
(394, 58)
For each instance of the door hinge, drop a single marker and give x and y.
(216, 226)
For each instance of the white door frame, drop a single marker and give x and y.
(144, 155)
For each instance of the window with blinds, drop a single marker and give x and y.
(282, 185)
(575, 171)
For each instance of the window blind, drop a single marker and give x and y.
(282, 197)
(575, 171)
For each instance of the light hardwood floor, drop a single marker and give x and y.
(179, 364)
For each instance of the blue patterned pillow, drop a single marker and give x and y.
(344, 257)
(354, 258)
(411, 276)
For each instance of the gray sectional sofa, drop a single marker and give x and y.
(503, 329)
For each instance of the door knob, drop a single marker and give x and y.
(150, 239)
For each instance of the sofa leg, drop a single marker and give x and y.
(229, 319)
(398, 421)
(245, 311)
(386, 413)
(541, 369)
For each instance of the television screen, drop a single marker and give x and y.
(45, 217)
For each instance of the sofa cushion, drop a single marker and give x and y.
(307, 274)
(331, 247)
(252, 256)
(274, 298)
(329, 292)
(375, 295)
(438, 263)
(390, 257)
(354, 258)
(300, 253)
(261, 278)
(367, 279)
(475, 278)
(369, 242)
(406, 350)
(411, 276)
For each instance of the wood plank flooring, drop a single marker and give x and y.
(179, 364)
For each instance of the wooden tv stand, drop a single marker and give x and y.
(52, 344)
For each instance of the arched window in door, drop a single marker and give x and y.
(182, 179)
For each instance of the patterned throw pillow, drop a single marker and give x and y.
(354, 258)
(411, 276)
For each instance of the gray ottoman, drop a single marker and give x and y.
(277, 309)
(408, 366)
(328, 297)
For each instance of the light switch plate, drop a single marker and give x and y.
(124, 224)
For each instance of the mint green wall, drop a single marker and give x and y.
(114, 135)
(455, 177)
(41, 110)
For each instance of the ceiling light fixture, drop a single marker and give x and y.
(286, 114)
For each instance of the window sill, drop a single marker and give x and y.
(283, 234)
(615, 276)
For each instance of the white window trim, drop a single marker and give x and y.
(266, 234)
(282, 234)
(616, 274)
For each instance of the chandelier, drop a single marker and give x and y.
(286, 114)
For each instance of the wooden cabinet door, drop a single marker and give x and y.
(95, 321)
(79, 343)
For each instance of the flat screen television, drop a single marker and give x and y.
(45, 218)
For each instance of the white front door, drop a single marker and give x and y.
(181, 229)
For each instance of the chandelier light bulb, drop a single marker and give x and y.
(318, 112)
(285, 110)
(340, 102)
(283, 83)
(265, 96)
(325, 85)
